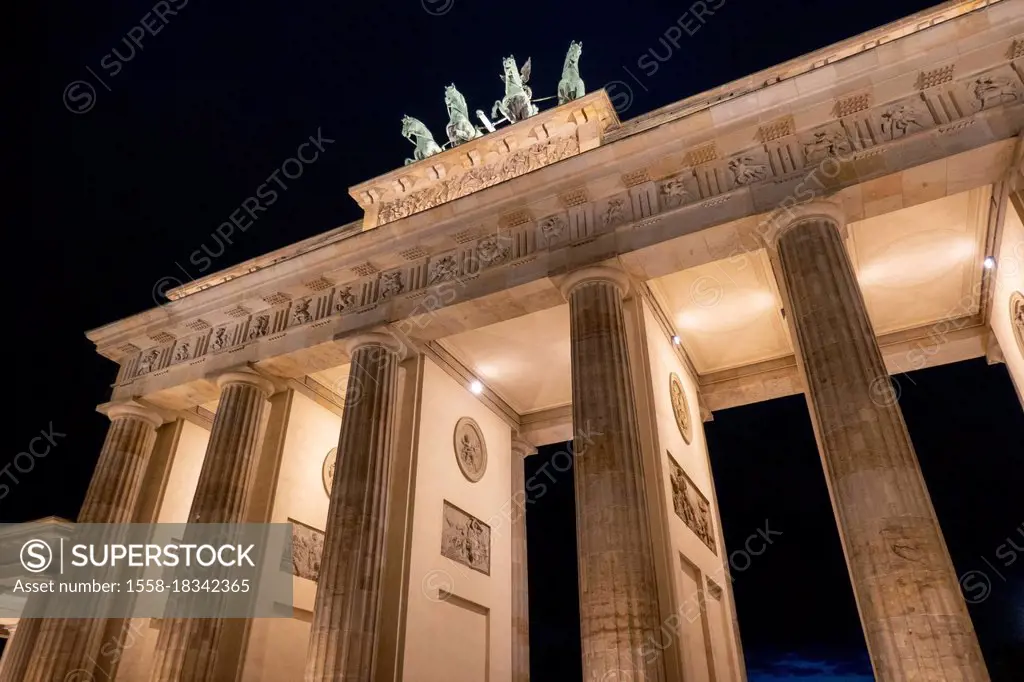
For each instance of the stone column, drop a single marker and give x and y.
(619, 614)
(61, 646)
(914, 618)
(343, 635)
(186, 648)
(520, 582)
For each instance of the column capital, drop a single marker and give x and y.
(521, 448)
(246, 376)
(787, 219)
(596, 273)
(382, 339)
(120, 409)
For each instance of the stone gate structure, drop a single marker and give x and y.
(812, 228)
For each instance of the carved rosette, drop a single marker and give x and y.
(327, 470)
(1017, 318)
(680, 407)
(470, 449)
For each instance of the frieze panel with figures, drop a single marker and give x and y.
(475, 179)
(465, 539)
(691, 506)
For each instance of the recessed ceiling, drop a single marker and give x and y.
(916, 266)
(922, 264)
(726, 312)
(525, 360)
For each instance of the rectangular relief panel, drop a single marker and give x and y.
(307, 551)
(466, 539)
(691, 505)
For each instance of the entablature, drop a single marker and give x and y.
(727, 165)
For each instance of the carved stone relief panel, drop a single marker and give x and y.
(552, 228)
(443, 269)
(680, 407)
(465, 539)
(829, 140)
(691, 506)
(183, 351)
(148, 362)
(991, 89)
(714, 589)
(300, 312)
(902, 118)
(259, 326)
(327, 470)
(515, 164)
(470, 449)
(677, 190)
(749, 167)
(391, 284)
(494, 249)
(614, 211)
(1017, 318)
(302, 559)
(344, 298)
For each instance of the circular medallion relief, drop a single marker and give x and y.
(1017, 318)
(679, 406)
(470, 449)
(328, 469)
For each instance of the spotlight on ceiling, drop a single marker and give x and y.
(989, 262)
(676, 340)
(475, 387)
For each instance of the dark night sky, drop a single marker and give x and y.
(120, 196)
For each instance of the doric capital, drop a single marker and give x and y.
(382, 339)
(521, 448)
(130, 409)
(246, 377)
(786, 219)
(597, 273)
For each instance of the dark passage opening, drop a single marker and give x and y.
(797, 616)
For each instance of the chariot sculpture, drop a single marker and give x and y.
(517, 105)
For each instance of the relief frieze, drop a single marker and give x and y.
(517, 163)
(465, 539)
(945, 106)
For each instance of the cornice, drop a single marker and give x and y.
(805, 64)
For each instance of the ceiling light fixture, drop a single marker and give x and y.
(475, 387)
(989, 262)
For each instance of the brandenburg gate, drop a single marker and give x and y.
(555, 274)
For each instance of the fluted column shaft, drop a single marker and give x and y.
(60, 646)
(914, 618)
(618, 594)
(186, 649)
(520, 578)
(344, 629)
